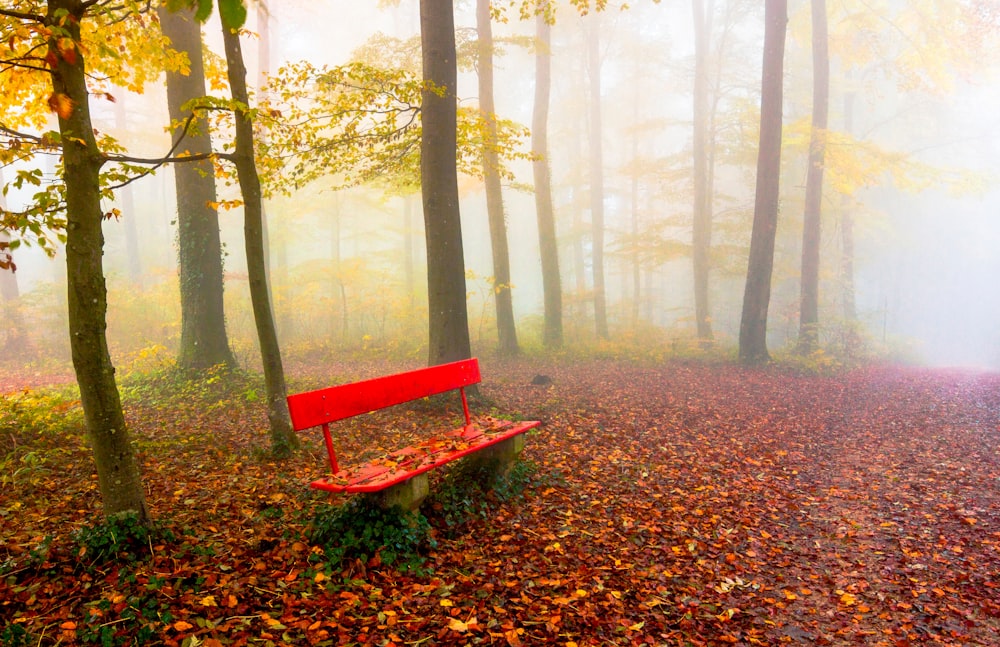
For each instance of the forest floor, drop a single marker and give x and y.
(673, 504)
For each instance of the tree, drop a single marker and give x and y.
(809, 293)
(10, 292)
(701, 236)
(757, 293)
(596, 174)
(63, 59)
(552, 335)
(283, 438)
(204, 342)
(506, 328)
(448, 317)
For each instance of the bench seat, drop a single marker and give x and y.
(403, 464)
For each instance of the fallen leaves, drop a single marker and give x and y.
(675, 505)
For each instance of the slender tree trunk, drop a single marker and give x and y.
(847, 228)
(634, 200)
(128, 209)
(204, 342)
(117, 467)
(506, 326)
(701, 237)
(757, 294)
(597, 174)
(447, 313)
(409, 262)
(283, 439)
(10, 293)
(552, 335)
(809, 292)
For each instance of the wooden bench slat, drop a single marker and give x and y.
(417, 459)
(314, 408)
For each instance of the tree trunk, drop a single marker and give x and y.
(447, 314)
(117, 467)
(701, 236)
(597, 174)
(809, 292)
(128, 208)
(16, 340)
(552, 335)
(757, 294)
(409, 262)
(204, 342)
(634, 204)
(283, 439)
(847, 228)
(506, 327)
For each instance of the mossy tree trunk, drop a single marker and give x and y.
(448, 316)
(117, 467)
(597, 174)
(811, 229)
(283, 439)
(204, 342)
(757, 293)
(506, 326)
(552, 336)
(701, 237)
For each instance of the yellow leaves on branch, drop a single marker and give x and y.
(852, 164)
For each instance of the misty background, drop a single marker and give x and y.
(926, 265)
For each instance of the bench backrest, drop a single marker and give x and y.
(323, 406)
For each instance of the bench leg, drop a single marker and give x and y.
(408, 495)
(502, 455)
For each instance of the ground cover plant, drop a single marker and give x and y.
(668, 504)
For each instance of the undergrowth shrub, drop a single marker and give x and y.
(473, 488)
(34, 427)
(120, 538)
(165, 384)
(14, 635)
(361, 529)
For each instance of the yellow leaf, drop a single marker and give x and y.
(445, 602)
(637, 626)
(319, 578)
(208, 601)
(789, 595)
(580, 593)
(847, 599)
(457, 625)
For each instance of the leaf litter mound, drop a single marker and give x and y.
(672, 505)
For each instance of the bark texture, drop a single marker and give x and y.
(283, 439)
(757, 293)
(811, 223)
(506, 326)
(117, 467)
(447, 314)
(552, 334)
(701, 230)
(597, 174)
(204, 342)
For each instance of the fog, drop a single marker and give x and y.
(925, 235)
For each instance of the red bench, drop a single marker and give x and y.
(397, 475)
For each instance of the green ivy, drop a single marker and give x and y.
(473, 488)
(123, 538)
(361, 529)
